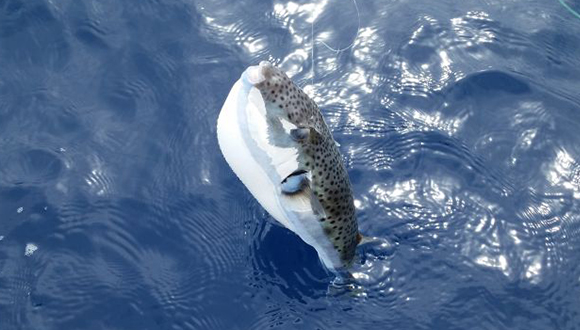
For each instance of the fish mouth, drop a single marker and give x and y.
(257, 74)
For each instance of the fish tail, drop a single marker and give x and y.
(370, 240)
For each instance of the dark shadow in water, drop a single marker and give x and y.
(482, 83)
(284, 256)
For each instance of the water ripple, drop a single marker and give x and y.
(457, 121)
(29, 167)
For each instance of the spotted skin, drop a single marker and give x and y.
(329, 179)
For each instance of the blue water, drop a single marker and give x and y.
(458, 121)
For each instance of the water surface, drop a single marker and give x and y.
(458, 122)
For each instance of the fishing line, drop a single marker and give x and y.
(572, 11)
(332, 49)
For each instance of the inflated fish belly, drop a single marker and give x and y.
(275, 139)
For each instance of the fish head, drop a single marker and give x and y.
(282, 98)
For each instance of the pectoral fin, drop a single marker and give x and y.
(300, 134)
(305, 134)
(295, 182)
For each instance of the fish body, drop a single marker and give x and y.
(276, 141)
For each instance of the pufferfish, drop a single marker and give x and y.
(276, 141)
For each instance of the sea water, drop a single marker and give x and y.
(458, 121)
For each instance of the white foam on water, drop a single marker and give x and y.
(30, 249)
